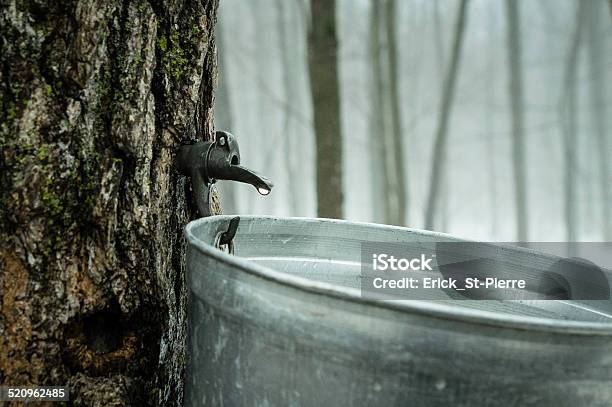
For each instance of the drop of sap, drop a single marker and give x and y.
(263, 191)
(440, 384)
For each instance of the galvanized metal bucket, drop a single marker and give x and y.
(281, 322)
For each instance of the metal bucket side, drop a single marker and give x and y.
(256, 338)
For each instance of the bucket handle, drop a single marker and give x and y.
(225, 240)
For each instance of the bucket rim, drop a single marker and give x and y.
(421, 307)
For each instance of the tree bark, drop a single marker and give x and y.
(323, 67)
(95, 98)
(448, 92)
(516, 102)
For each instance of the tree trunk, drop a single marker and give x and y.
(516, 102)
(597, 68)
(400, 184)
(490, 126)
(569, 120)
(448, 92)
(95, 98)
(440, 62)
(223, 114)
(378, 125)
(438, 40)
(389, 184)
(323, 67)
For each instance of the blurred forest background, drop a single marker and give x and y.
(487, 119)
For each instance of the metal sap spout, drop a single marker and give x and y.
(242, 174)
(205, 162)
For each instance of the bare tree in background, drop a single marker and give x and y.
(440, 63)
(267, 139)
(516, 101)
(569, 125)
(597, 68)
(438, 39)
(223, 113)
(289, 73)
(378, 125)
(323, 69)
(400, 185)
(448, 92)
(388, 169)
(490, 127)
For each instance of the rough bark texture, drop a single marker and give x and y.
(323, 62)
(95, 97)
(448, 93)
